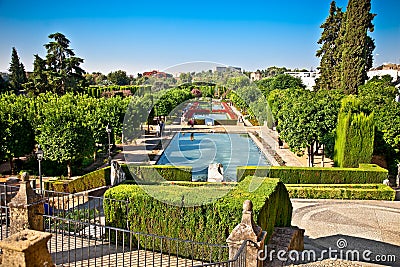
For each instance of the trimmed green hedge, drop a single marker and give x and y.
(365, 174)
(155, 173)
(88, 181)
(210, 222)
(343, 191)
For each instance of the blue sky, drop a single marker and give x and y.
(138, 36)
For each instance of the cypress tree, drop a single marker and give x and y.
(330, 49)
(17, 72)
(356, 45)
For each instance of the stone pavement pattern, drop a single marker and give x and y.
(350, 225)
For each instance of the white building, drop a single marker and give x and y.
(387, 69)
(255, 76)
(307, 77)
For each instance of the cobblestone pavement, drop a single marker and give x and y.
(356, 225)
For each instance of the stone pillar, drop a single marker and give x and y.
(398, 176)
(26, 248)
(117, 174)
(26, 208)
(247, 230)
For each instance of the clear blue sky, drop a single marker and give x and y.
(137, 36)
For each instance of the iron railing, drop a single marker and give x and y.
(81, 238)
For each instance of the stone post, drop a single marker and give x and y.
(398, 176)
(26, 248)
(247, 230)
(117, 174)
(26, 208)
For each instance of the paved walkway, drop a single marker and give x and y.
(345, 226)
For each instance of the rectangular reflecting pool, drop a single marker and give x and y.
(214, 116)
(232, 150)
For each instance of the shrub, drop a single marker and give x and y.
(343, 191)
(354, 141)
(210, 222)
(154, 173)
(88, 181)
(366, 173)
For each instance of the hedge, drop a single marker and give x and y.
(210, 222)
(365, 174)
(155, 173)
(88, 181)
(343, 191)
(354, 141)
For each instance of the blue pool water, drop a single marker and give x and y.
(232, 150)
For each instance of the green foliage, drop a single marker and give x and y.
(118, 77)
(16, 134)
(60, 72)
(354, 141)
(17, 72)
(86, 182)
(304, 117)
(279, 82)
(209, 223)
(355, 45)
(63, 134)
(366, 173)
(159, 173)
(168, 100)
(329, 52)
(342, 191)
(38, 82)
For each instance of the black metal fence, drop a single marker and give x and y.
(81, 238)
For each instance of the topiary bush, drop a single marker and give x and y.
(341, 191)
(366, 173)
(88, 181)
(354, 140)
(155, 173)
(208, 222)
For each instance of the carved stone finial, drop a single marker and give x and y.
(25, 177)
(247, 205)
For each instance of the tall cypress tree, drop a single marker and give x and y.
(17, 72)
(330, 50)
(356, 45)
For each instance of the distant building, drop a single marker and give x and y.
(225, 69)
(307, 77)
(156, 74)
(385, 69)
(255, 76)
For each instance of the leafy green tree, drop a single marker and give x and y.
(273, 71)
(4, 86)
(17, 135)
(96, 78)
(237, 82)
(63, 133)
(118, 77)
(64, 71)
(17, 72)
(356, 47)
(37, 82)
(304, 118)
(329, 51)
